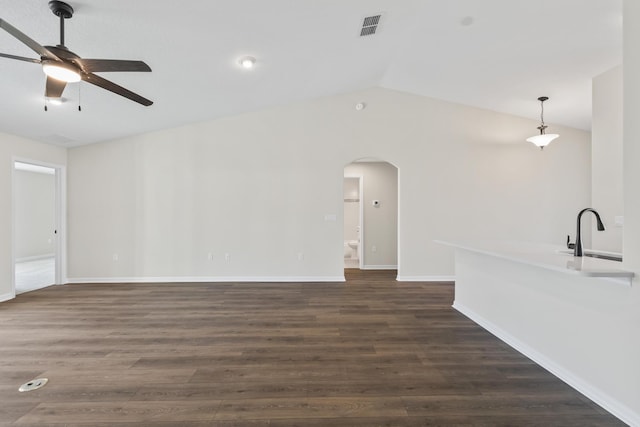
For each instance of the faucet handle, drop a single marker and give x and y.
(570, 245)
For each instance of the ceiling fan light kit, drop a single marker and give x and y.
(62, 66)
(60, 71)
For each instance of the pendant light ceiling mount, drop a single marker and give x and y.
(544, 138)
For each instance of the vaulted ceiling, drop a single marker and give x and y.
(494, 54)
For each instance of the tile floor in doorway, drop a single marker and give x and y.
(36, 274)
(351, 263)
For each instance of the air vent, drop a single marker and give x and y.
(33, 385)
(58, 139)
(370, 25)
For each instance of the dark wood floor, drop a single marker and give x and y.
(371, 352)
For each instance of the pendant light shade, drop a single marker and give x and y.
(544, 138)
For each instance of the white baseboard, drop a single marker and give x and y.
(7, 296)
(426, 278)
(35, 257)
(379, 267)
(215, 279)
(623, 412)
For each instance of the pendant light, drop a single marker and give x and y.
(544, 138)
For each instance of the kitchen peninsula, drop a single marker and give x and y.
(561, 311)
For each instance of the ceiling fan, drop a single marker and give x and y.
(63, 66)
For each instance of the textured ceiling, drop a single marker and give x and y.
(494, 54)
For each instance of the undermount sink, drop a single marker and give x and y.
(611, 256)
(603, 256)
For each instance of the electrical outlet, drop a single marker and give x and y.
(210, 256)
(300, 256)
(374, 249)
(115, 257)
(227, 257)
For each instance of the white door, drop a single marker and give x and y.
(37, 216)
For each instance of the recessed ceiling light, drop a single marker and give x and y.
(247, 62)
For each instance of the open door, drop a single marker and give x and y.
(37, 190)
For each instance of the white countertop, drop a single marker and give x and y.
(550, 257)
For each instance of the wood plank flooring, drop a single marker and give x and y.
(369, 352)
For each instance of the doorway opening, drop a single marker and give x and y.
(370, 190)
(352, 221)
(37, 219)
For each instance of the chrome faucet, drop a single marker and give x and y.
(577, 247)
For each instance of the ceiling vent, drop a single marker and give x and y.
(58, 139)
(370, 25)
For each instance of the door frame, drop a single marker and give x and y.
(60, 219)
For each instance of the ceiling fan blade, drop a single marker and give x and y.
(20, 58)
(108, 65)
(112, 87)
(54, 88)
(34, 45)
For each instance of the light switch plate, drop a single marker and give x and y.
(618, 221)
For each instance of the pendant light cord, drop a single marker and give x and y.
(542, 126)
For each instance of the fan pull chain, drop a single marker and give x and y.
(79, 107)
(45, 104)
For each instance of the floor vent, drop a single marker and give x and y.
(370, 25)
(33, 385)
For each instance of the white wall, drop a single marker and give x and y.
(259, 187)
(34, 199)
(10, 147)
(606, 153)
(380, 224)
(628, 333)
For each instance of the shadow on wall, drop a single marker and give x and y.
(371, 215)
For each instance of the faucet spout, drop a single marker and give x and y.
(577, 250)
